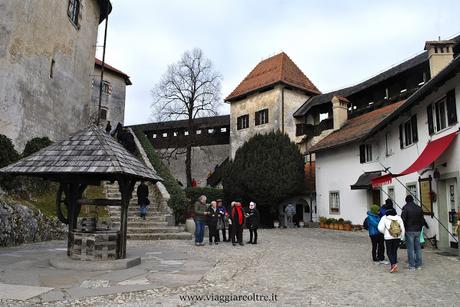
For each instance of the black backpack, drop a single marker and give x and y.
(366, 223)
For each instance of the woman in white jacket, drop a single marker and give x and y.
(392, 227)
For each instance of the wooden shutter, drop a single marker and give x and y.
(451, 108)
(401, 136)
(69, 8)
(414, 129)
(362, 153)
(429, 114)
(80, 13)
(257, 118)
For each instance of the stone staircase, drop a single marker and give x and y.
(154, 227)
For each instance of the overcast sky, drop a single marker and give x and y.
(335, 43)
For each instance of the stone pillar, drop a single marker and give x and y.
(339, 111)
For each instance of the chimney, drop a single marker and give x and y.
(440, 54)
(339, 111)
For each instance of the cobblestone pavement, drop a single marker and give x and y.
(301, 267)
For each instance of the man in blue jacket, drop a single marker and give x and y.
(412, 216)
(378, 243)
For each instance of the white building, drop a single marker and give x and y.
(395, 136)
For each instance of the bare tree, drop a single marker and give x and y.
(189, 89)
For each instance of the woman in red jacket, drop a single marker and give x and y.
(237, 218)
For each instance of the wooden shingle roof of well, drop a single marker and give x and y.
(276, 69)
(90, 152)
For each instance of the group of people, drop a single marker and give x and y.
(231, 222)
(387, 229)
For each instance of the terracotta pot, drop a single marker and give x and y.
(347, 227)
(336, 226)
(321, 225)
(341, 227)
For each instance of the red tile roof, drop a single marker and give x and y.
(98, 63)
(278, 68)
(356, 128)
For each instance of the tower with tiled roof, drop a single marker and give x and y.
(267, 98)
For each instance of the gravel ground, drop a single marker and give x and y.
(298, 267)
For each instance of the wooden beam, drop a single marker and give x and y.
(100, 202)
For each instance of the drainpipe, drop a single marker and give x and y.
(102, 66)
(282, 109)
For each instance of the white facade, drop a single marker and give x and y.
(337, 169)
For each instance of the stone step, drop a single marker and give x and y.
(146, 224)
(160, 236)
(141, 230)
(135, 218)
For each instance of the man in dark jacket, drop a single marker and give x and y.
(412, 216)
(237, 218)
(252, 222)
(223, 220)
(213, 218)
(143, 198)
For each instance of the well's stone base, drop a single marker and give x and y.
(94, 246)
(66, 263)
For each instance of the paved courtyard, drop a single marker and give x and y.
(290, 267)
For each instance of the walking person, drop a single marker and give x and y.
(223, 220)
(200, 210)
(378, 242)
(412, 216)
(392, 226)
(142, 199)
(237, 218)
(108, 127)
(290, 212)
(252, 222)
(213, 217)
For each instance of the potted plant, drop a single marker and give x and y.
(340, 223)
(328, 223)
(276, 223)
(347, 225)
(301, 224)
(322, 222)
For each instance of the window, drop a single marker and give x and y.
(365, 153)
(223, 130)
(391, 193)
(74, 12)
(106, 88)
(242, 122)
(261, 117)
(388, 149)
(412, 189)
(103, 113)
(442, 113)
(334, 202)
(408, 134)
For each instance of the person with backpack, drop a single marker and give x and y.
(412, 216)
(387, 206)
(392, 227)
(378, 245)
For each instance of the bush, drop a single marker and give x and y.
(178, 201)
(267, 169)
(210, 193)
(35, 145)
(8, 155)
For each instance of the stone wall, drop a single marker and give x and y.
(21, 224)
(204, 160)
(45, 67)
(271, 100)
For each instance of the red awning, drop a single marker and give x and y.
(431, 153)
